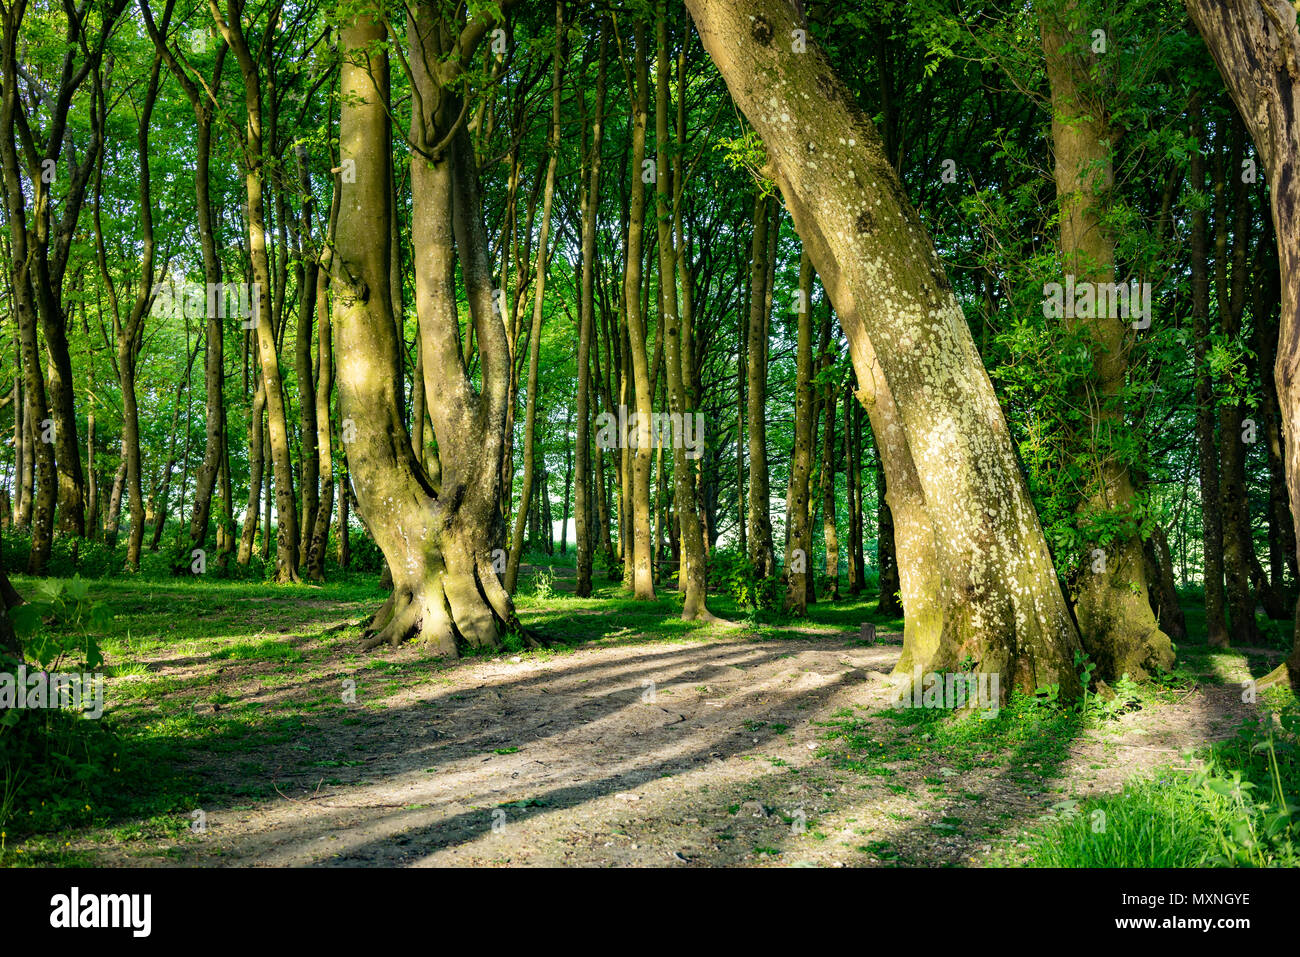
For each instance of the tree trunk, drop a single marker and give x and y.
(691, 571)
(827, 478)
(761, 554)
(1207, 449)
(214, 354)
(798, 550)
(535, 331)
(320, 532)
(639, 425)
(886, 557)
(1001, 603)
(437, 543)
(1118, 628)
(286, 520)
(253, 511)
(1238, 544)
(582, 479)
(853, 492)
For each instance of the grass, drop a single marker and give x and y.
(1238, 809)
(138, 774)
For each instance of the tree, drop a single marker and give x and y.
(799, 546)
(438, 539)
(231, 26)
(535, 332)
(1000, 600)
(1113, 606)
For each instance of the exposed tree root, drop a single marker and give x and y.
(451, 613)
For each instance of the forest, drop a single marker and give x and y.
(720, 433)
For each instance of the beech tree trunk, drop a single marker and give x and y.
(798, 550)
(761, 554)
(691, 572)
(639, 433)
(1207, 458)
(438, 541)
(582, 484)
(886, 556)
(1001, 603)
(231, 26)
(535, 330)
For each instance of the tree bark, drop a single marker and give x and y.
(535, 331)
(798, 551)
(1206, 445)
(231, 26)
(691, 571)
(1117, 625)
(438, 543)
(761, 553)
(582, 479)
(1001, 602)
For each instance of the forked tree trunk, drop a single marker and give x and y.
(438, 543)
(1001, 604)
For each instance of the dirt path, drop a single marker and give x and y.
(577, 759)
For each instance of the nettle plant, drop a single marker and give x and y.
(59, 625)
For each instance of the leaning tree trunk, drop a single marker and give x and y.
(1256, 44)
(1001, 602)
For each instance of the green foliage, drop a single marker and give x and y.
(51, 753)
(732, 573)
(1239, 808)
(61, 621)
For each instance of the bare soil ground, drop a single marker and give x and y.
(682, 753)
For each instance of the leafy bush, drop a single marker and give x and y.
(50, 753)
(733, 574)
